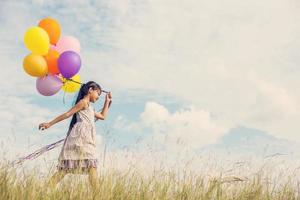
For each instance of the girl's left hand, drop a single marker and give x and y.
(108, 97)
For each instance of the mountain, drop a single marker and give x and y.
(248, 141)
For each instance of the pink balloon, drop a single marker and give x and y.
(48, 85)
(53, 47)
(68, 43)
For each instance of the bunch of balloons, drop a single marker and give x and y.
(53, 60)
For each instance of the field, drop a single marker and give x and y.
(159, 184)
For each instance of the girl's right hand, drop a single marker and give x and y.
(44, 126)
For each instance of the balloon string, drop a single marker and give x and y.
(38, 152)
(64, 97)
(69, 79)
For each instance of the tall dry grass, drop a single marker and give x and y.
(132, 184)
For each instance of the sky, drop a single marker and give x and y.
(180, 72)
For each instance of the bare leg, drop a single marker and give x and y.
(93, 178)
(56, 178)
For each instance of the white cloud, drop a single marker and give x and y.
(154, 113)
(279, 97)
(19, 125)
(186, 128)
(205, 53)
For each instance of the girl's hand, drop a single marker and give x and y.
(108, 97)
(44, 126)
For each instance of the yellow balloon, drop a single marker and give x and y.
(35, 65)
(70, 86)
(37, 40)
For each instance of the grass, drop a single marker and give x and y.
(132, 184)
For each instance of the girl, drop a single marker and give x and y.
(78, 154)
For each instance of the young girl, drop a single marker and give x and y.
(78, 154)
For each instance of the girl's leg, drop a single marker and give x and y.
(93, 178)
(56, 178)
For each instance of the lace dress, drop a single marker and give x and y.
(79, 148)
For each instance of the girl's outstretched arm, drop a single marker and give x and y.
(81, 104)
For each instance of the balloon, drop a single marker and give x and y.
(52, 27)
(53, 47)
(69, 63)
(68, 43)
(70, 86)
(35, 65)
(51, 59)
(36, 40)
(48, 85)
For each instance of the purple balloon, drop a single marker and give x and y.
(48, 85)
(69, 63)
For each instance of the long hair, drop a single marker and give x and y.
(84, 89)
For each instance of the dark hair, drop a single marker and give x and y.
(84, 89)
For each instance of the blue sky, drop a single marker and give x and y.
(186, 71)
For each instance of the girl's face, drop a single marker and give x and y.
(94, 95)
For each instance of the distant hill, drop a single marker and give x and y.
(248, 141)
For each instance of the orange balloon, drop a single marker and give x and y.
(51, 59)
(52, 27)
(35, 65)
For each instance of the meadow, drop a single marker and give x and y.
(160, 183)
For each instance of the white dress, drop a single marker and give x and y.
(79, 148)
